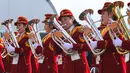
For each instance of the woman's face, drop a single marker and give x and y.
(105, 17)
(47, 28)
(20, 28)
(67, 22)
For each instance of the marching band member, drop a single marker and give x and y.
(80, 64)
(8, 61)
(2, 70)
(22, 62)
(125, 43)
(34, 61)
(50, 51)
(111, 60)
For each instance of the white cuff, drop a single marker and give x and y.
(117, 42)
(93, 44)
(10, 48)
(67, 46)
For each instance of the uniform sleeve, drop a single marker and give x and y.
(22, 44)
(81, 43)
(81, 47)
(103, 44)
(126, 45)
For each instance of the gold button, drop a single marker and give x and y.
(113, 53)
(48, 66)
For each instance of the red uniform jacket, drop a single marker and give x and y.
(34, 63)
(80, 65)
(51, 50)
(7, 61)
(24, 62)
(1, 63)
(111, 61)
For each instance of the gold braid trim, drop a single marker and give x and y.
(75, 29)
(106, 43)
(81, 46)
(51, 47)
(81, 39)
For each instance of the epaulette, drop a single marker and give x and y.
(46, 37)
(27, 34)
(1, 40)
(77, 28)
(81, 39)
(51, 47)
(104, 31)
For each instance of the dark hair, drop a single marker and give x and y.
(51, 23)
(76, 23)
(110, 9)
(27, 28)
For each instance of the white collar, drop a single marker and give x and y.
(71, 28)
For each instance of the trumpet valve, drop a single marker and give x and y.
(115, 28)
(87, 30)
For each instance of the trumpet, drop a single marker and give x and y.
(12, 38)
(92, 33)
(61, 36)
(117, 28)
(36, 38)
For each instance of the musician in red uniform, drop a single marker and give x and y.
(76, 63)
(124, 44)
(1, 63)
(34, 61)
(8, 60)
(111, 60)
(50, 51)
(22, 61)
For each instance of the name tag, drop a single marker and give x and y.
(127, 57)
(75, 56)
(59, 59)
(15, 59)
(41, 60)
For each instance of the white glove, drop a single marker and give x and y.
(35, 45)
(93, 44)
(117, 42)
(10, 48)
(67, 46)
